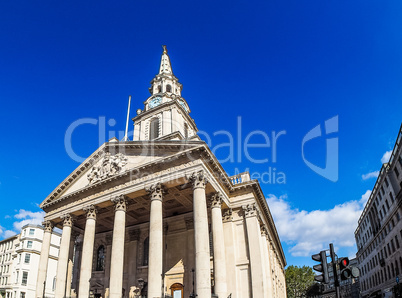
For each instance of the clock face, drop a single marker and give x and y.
(155, 102)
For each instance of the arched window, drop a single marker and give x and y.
(159, 89)
(168, 88)
(177, 290)
(100, 260)
(154, 129)
(146, 252)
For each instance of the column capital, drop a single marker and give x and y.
(216, 200)
(156, 191)
(120, 203)
(250, 210)
(263, 231)
(91, 211)
(227, 215)
(68, 219)
(48, 226)
(198, 179)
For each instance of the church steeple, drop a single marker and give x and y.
(166, 114)
(165, 81)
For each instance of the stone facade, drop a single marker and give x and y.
(159, 217)
(379, 232)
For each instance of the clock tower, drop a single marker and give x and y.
(166, 114)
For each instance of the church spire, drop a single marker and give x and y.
(166, 67)
(165, 81)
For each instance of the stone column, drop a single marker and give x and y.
(228, 231)
(70, 265)
(218, 246)
(254, 248)
(44, 257)
(117, 263)
(155, 255)
(87, 252)
(202, 254)
(134, 236)
(269, 265)
(62, 263)
(265, 260)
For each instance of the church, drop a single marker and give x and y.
(158, 216)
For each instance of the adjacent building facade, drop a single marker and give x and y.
(7, 248)
(159, 217)
(379, 232)
(19, 259)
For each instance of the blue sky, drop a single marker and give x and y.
(283, 66)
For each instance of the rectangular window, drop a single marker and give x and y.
(386, 202)
(27, 258)
(22, 295)
(391, 196)
(29, 244)
(386, 182)
(396, 171)
(24, 278)
(31, 232)
(16, 276)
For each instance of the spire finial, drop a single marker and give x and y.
(164, 49)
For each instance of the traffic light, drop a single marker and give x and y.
(346, 272)
(322, 267)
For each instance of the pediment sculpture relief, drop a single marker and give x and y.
(111, 165)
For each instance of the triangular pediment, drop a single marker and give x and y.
(116, 158)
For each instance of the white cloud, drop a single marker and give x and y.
(9, 233)
(23, 217)
(370, 175)
(307, 232)
(27, 217)
(386, 156)
(365, 197)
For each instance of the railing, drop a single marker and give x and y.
(240, 178)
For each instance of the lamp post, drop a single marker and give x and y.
(192, 295)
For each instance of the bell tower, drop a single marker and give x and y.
(166, 114)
